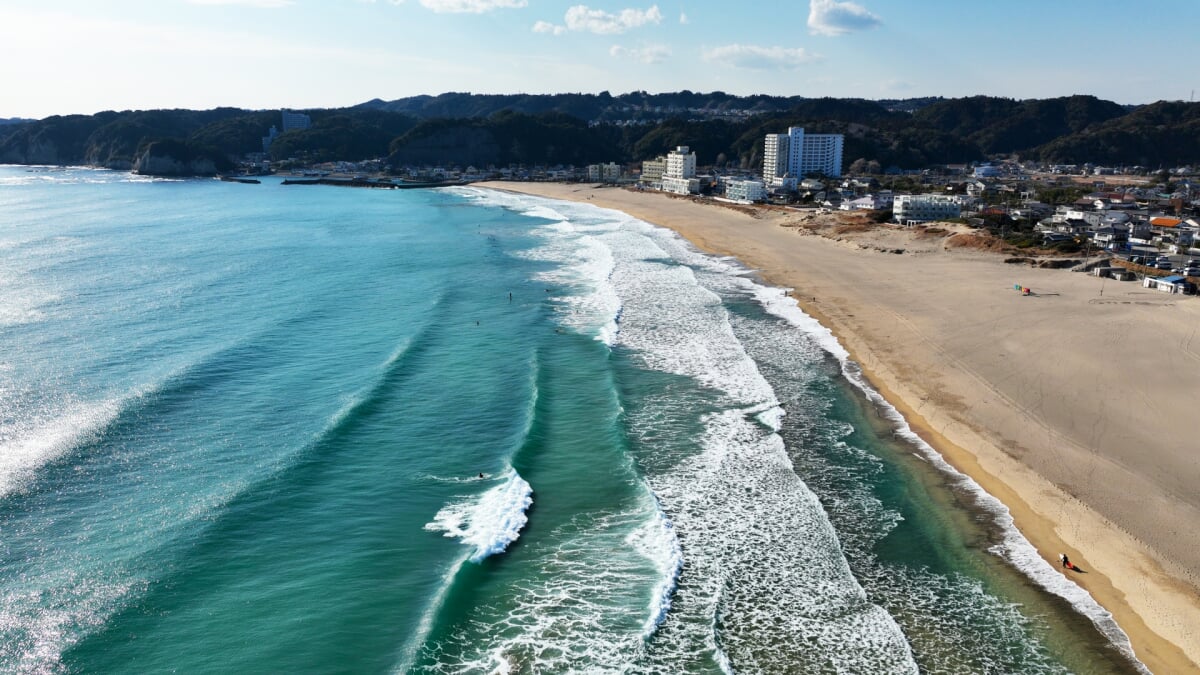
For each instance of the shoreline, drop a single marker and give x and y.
(898, 337)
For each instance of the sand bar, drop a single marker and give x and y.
(1074, 406)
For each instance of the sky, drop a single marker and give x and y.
(84, 56)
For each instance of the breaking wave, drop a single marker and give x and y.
(491, 523)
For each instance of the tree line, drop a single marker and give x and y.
(465, 129)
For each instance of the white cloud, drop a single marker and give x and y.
(583, 18)
(761, 58)
(265, 4)
(647, 54)
(830, 17)
(470, 6)
(547, 27)
(683, 18)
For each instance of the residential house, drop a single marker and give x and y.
(1111, 237)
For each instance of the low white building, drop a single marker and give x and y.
(680, 186)
(914, 209)
(869, 202)
(745, 190)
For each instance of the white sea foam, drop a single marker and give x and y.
(762, 560)
(585, 265)
(490, 523)
(417, 639)
(79, 175)
(581, 606)
(582, 254)
(656, 540)
(27, 444)
(1014, 547)
(38, 626)
(543, 211)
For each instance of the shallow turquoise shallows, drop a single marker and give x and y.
(289, 429)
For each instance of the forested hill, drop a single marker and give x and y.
(577, 129)
(602, 107)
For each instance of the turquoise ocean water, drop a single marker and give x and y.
(264, 428)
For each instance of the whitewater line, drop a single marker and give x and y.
(1015, 547)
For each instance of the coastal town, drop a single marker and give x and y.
(1128, 223)
(499, 336)
(1019, 323)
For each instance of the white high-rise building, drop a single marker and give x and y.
(822, 153)
(775, 161)
(681, 163)
(789, 157)
(294, 120)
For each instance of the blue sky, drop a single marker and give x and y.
(83, 56)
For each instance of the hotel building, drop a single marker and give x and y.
(680, 174)
(293, 121)
(789, 157)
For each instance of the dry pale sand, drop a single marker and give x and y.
(1074, 406)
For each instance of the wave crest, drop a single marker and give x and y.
(492, 522)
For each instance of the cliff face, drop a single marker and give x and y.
(149, 164)
(31, 150)
(177, 158)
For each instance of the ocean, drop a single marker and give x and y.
(267, 428)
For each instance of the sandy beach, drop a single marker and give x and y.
(1071, 405)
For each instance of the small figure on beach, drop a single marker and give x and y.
(1066, 562)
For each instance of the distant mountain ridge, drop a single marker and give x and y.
(481, 129)
(604, 107)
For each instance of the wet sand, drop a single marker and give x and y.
(1074, 405)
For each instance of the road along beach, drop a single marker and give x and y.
(1073, 405)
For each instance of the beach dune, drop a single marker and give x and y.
(1073, 404)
